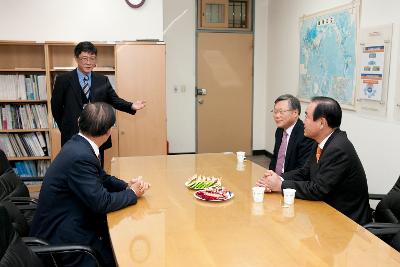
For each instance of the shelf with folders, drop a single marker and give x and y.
(31, 168)
(24, 129)
(26, 117)
(23, 145)
(29, 153)
(23, 87)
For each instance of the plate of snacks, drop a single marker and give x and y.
(214, 194)
(198, 182)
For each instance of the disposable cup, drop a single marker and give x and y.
(258, 194)
(288, 196)
(240, 155)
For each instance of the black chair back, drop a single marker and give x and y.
(13, 251)
(4, 163)
(388, 209)
(12, 186)
(17, 219)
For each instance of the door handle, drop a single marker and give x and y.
(201, 91)
(200, 101)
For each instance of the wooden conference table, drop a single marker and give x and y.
(169, 227)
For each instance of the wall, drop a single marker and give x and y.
(376, 140)
(179, 34)
(260, 73)
(75, 20)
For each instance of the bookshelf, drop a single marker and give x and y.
(24, 102)
(139, 74)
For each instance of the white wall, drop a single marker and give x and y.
(376, 140)
(77, 20)
(179, 27)
(260, 73)
(179, 35)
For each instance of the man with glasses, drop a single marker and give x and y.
(75, 89)
(291, 149)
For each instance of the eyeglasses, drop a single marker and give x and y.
(280, 112)
(88, 59)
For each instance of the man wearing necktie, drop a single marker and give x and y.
(77, 194)
(75, 89)
(292, 148)
(333, 173)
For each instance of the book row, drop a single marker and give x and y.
(31, 168)
(23, 117)
(26, 145)
(23, 87)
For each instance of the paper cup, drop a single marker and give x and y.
(240, 155)
(288, 196)
(258, 194)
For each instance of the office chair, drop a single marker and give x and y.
(11, 185)
(4, 163)
(13, 251)
(13, 189)
(33, 252)
(386, 217)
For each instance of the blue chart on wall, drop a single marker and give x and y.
(328, 55)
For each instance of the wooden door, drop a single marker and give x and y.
(224, 70)
(140, 72)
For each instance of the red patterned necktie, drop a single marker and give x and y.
(318, 153)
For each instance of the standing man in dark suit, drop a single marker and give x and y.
(77, 194)
(74, 89)
(291, 149)
(335, 174)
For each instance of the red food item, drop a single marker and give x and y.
(213, 194)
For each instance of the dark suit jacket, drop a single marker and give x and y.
(338, 178)
(67, 101)
(75, 197)
(298, 149)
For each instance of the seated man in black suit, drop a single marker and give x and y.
(77, 194)
(291, 149)
(335, 174)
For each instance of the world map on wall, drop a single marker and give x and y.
(328, 56)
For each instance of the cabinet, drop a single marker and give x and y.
(141, 75)
(136, 70)
(24, 101)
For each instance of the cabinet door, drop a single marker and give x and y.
(140, 75)
(214, 14)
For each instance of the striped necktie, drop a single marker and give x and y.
(85, 87)
(280, 161)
